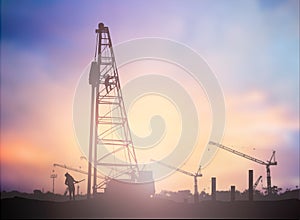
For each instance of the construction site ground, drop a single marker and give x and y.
(18, 207)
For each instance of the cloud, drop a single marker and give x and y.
(254, 114)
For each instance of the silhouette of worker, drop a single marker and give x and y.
(70, 183)
(108, 83)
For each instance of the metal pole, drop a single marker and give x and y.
(99, 31)
(250, 185)
(232, 190)
(95, 143)
(196, 194)
(91, 144)
(269, 187)
(53, 176)
(213, 188)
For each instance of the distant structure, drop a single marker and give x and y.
(269, 163)
(232, 193)
(53, 176)
(213, 188)
(250, 189)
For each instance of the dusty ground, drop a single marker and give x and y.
(148, 208)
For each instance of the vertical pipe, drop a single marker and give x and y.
(96, 114)
(91, 144)
(95, 142)
(213, 188)
(250, 185)
(196, 194)
(53, 185)
(269, 187)
(232, 193)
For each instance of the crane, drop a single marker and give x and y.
(256, 183)
(74, 169)
(109, 127)
(270, 162)
(195, 175)
(101, 184)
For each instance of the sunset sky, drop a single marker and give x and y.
(251, 46)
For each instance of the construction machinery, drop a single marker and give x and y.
(111, 150)
(112, 186)
(270, 162)
(256, 183)
(75, 169)
(103, 179)
(195, 175)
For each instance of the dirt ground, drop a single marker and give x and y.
(18, 207)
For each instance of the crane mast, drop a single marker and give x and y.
(269, 163)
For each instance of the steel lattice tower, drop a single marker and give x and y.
(111, 145)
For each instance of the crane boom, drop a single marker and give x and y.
(238, 153)
(74, 169)
(256, 183)
(174, 168)
(269, 163)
